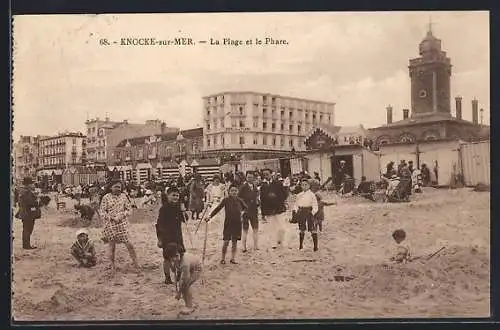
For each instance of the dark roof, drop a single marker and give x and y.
(187, 134)
(431, 118)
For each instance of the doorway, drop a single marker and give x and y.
(349, 166)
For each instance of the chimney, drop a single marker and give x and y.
(458, 107)
(406, 113)
(125, 121)
(389, 114)
(474, 112)
(163, 126)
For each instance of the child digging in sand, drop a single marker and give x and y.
(188, 266)
(234, 208)
(83, 250)
(402, 252)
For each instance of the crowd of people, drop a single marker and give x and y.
(240, 195)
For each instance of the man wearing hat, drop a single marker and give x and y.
(29, 210)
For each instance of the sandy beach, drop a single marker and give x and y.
(356, 243)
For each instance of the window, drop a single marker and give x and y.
(264, 139)
(241, 110)
(290, 142)
(88, 130)
(208, 126)
(282, 113)
(273, 112)
(223, 140)
(282, 141)
(255, 123)
(255, 139)
(264, 125)
(273, 127)
(208, 112)
(264, 98)
(264, 111)
(282, 127)
(274, 140)
(307, 115)
(290, 114)
(273, 99)
(222, 123)
(242, 140)
(242, 124)
(329, 118)
(233, 123)
(320, 118)
(299, 128)
(290, 127)
(74, 141)
(208, 142)
(314, 117)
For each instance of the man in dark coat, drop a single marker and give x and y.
(250, 195)
(273, 197)
(169, 227)
(28, 209)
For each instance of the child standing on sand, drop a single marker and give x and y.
(83, 250)
(234, 208)
(188, 266)
(304, 211)
(402, 254)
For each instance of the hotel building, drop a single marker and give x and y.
(260, 125)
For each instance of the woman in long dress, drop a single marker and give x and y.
(196, 195)
(114, 211)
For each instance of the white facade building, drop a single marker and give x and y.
(252, 122)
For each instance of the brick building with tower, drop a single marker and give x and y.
(430, 117)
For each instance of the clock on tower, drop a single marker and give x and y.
(430, 78)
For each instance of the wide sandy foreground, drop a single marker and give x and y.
(288, 283)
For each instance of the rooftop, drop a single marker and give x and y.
(268, 94)
(187, 134)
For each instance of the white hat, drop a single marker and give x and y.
(82, 231)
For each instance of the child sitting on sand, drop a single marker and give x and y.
(402, 252)
(188, 266)
(83, 249)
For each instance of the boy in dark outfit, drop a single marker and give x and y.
(169, 227)
(250, 195)
(234, 208)
(273, 197)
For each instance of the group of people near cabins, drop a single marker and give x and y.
(240, 202)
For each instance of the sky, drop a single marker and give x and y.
(62, 76)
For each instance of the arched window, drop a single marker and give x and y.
(407, 138)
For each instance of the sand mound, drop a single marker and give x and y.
(455, 271)
(66, 300)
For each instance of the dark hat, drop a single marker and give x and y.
(172, 190)
(27, 181)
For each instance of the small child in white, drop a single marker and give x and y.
(83, 249)
(402, 252)
(188, 266)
